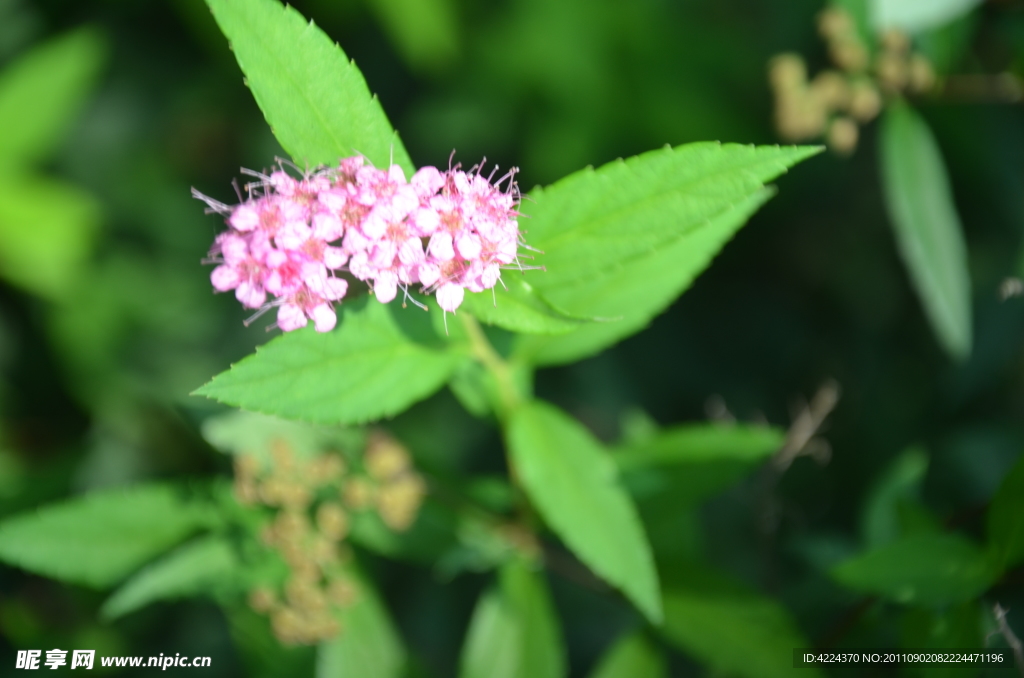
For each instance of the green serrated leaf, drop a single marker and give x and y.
(196, 567)
(930, 569)
(43, 91)
(100, 538)
(632, 656)
(372, 366)
(917, 15)
(734, 631)
(367, 647)
(573, 482)
(1006, 519)
(594, 219)
(47, 229)
(927, 226)
(638, 289)
(622, 242)
(315, 100)
(520, 309)
(514, 631)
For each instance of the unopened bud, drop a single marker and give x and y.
(323, 625)
(799, 117)
(865, 101)
(385, 457)
(272, 491)
(323, 551)
(287, 625)
(835, 23)
(303, 566)
(831, 89)
(787, 72)
(332, 521)
(246, 466)
(358, 493)
(291, 527)
(304, 595)
(895, 41)
(325, 469)
(842, 136)
(892, 71)
(849, 55)
(295, 496)
(281, 452)
(398, 502)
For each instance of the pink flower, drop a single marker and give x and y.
(243, 268)
(447, 231)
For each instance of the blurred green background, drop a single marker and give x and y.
(101, 343)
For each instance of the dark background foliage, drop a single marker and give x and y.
(94, 387)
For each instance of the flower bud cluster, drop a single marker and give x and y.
(312, 498)
(447, 232)
(396, 490)
(836, 102)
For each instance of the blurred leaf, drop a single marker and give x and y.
(514, 632)
(930, 569)
(620, 243)
(520, 309)
(46, 233)
(698, 443)
(687, 464)
(315, 100)
(368, 645)
(898, 484)
(574, 484)
(192, 569)
(257, 434)
(927, 226)
(632, 656)
(263, 656)
(1006, 519)
(365, 369)
(98, 539)
(951, 628)
(917, 15)
(731, 629)
(425, 32)
(43, 91)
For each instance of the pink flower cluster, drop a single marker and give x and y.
(446, 231)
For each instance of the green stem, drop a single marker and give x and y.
(484, 352)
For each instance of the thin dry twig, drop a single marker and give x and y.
(801, 440)
(1011, 638)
